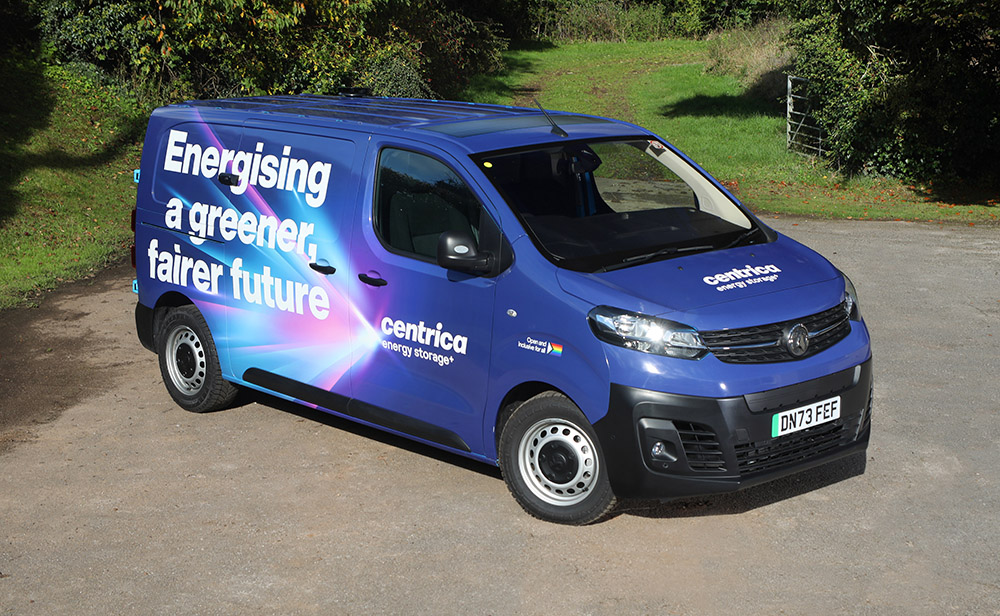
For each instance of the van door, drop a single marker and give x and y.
(422, 361)
(288, 264)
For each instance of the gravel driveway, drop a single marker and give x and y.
(115, 501)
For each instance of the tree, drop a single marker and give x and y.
(906, 88)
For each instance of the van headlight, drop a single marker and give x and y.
(853, 312)
(645, 333)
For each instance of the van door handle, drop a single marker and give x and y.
(323, 268)
(375, 282)
(229, 179)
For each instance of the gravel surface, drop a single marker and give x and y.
(115, 501)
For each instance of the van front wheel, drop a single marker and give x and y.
(189, 363)
(552, 462)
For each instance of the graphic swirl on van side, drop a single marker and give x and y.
(243, 252)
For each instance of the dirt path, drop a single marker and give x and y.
(54, 355)
(115, 501)
(608, 99)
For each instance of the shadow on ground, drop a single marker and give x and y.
(735, 503)
(762, 98)
(25, 108)
(705, 506)
(494, 86)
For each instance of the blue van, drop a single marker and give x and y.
(565, 296)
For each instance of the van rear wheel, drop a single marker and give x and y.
(552, 462)
(189, 363)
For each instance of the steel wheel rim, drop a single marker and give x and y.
(186, 360)
(558, 462)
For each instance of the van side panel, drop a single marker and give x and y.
(424, 333)
(249, 224)
(288, 265)
(541, 334)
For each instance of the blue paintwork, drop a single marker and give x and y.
(335, 337)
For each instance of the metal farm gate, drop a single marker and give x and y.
(803, 133)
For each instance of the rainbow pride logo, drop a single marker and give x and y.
(554, 349)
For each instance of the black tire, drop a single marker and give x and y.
(189, 363)
(553, 463)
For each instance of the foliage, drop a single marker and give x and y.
(906, 88)
(602, 20)
(100, 33)
(700, 17)
(758, 56)
(446, 46)
(643, 20)
(394, 71)
(228, 47)
(216, 48)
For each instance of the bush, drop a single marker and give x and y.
(650, 20)
(102, 33)
(394, 72)
(907, 89)
(700, 17)
(175, 49)
(757, 56)
(603, 20)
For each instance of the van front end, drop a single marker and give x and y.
(743, 412)
(663, 445)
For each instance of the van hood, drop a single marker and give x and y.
(731, 281)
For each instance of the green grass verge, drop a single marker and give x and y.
(68, 146)
(663, 86)
(67, 153)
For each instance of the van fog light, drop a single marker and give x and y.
(645, 333)
(659, 452)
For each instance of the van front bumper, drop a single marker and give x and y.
(661, 445)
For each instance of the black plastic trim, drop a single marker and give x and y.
(801, 393)
(637, 418)
(357, 409)
(144, 326)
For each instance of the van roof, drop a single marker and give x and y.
(476, 126)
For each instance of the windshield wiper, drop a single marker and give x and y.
(663, 253)
(742, 237)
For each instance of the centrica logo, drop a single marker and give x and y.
(431, 336)
(740, 273)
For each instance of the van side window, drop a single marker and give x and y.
(416, 199)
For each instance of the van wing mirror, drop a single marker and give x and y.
(456, 250)
(583, 160)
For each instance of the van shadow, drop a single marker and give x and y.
(249, 396)
(735, 503)
(705, 506)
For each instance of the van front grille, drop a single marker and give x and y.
(764, 343)
(762, 456)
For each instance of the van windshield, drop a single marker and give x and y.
(603, 205)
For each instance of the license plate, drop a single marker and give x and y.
(787, 422)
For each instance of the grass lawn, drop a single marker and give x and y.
(68, 146)
(67, 150)
(663, 86)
